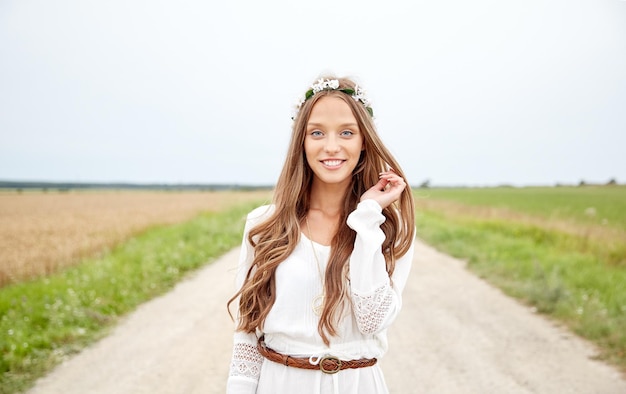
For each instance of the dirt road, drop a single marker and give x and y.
(456, 334)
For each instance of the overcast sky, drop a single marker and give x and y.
(464, 92)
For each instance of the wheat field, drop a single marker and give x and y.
(44, 232)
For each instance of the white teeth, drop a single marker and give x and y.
(332, 163)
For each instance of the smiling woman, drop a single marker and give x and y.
(323, 268)
(333, 143)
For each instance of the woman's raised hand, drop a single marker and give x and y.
(387, 190)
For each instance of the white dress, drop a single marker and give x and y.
(291, 325)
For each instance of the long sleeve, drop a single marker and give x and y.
(376, 299)
(246, 361)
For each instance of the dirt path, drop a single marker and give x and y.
(456, 334)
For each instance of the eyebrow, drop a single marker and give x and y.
(351, 124)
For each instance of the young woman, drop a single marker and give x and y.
(323, 267)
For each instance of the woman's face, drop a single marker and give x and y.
(333, 141)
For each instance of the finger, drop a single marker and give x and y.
(397, 182)
(388, 175)
(381, 184)
(393, 178)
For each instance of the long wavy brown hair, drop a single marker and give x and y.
(275, 239)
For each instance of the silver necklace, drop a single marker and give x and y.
(318, 301)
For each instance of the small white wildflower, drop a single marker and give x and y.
(324, 84)
(296, 108)
(591, 211)
(364, 98)
(361, 95)
(318, 87)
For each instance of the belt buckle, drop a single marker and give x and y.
(330, 371)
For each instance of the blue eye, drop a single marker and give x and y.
(347, 133)
(316, 133)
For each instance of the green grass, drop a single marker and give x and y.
(566, 276)
(570, 203)
(46, 320)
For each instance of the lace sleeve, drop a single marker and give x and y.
(246, 361)
(245, 365)
(376, 302)
(371, 310)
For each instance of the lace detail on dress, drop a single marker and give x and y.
(246, 361)
(370, 311)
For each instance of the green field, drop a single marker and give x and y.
(561, 250)
(601, 205)
(44, 321)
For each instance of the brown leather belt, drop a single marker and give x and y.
(326, 364)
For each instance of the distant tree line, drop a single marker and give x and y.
(612, 182)
(67, 186)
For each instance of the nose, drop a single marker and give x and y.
(332, 144)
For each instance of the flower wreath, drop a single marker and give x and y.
(357, 94)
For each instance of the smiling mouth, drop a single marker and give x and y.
(332, 163)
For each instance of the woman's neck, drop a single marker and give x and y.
(327, 198)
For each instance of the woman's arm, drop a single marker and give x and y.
(246, 361)
(376, 299)
(245, 365)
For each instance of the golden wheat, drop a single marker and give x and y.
(43, 232)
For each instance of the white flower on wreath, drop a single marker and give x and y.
(299, 103)
(323, 84)
(296, 108)
(361, 95)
